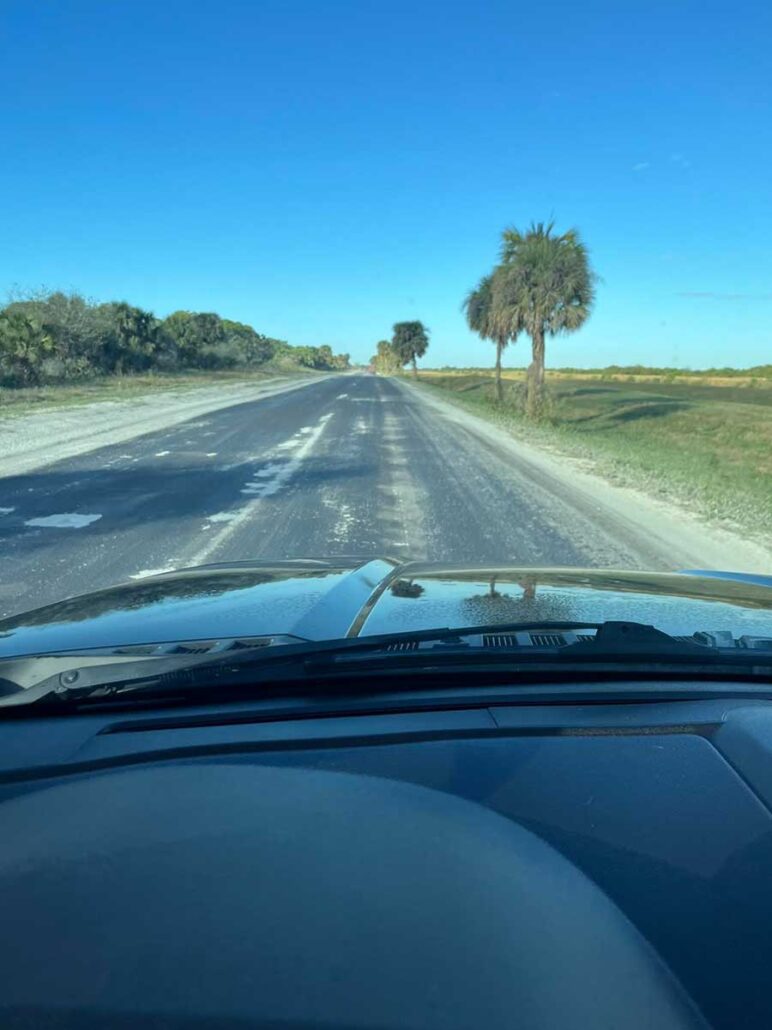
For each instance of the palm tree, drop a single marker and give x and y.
(410, 341)
(478, 307)
(545, 285)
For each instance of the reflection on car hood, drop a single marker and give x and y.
(320, 600)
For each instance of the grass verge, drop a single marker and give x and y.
(122, 388)
(705, 448)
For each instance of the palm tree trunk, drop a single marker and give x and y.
(534, 404)
(499, 349)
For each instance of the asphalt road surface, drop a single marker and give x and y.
(351, 464)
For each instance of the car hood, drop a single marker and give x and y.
(327, 599)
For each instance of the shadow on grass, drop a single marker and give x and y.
(632, 412)
(648, 410)
(588, 391)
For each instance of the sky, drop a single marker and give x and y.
(321, 169)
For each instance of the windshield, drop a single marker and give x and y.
(305, 293)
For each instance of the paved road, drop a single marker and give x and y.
(348, 465)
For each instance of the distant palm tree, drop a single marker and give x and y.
(478, 307)
(410, 341)
(544, 285)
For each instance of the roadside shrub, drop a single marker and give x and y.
(52, 336)
(24, 346)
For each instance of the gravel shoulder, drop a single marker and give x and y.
(667, 529)
(29, 442)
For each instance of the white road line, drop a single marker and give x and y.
(66, 520)
(162, 454)
(6, 511)
(243, 514)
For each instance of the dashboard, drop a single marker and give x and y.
(444, 864)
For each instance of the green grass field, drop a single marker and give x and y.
(705, 447)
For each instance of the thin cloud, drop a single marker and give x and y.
(680, 160)
(641, 166)
(711, 295)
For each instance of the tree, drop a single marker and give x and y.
(479, 310)
(324, 357)
(75, 325)
(385, 361)
(24, 345)
(410, 341)
(249, 347)
(131, 340)
(546, 286)
(199, 337)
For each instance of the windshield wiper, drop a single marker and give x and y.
(621, 644)
(78, 682)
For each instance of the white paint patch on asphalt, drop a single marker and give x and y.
(223, 516)
(145, 573)
(162, 454)
(360, 427)
(267, 489)
(344, 523)
(211, 454)
(345, 519)
(269, 480)
(341, 397)
(66, 520)
(269, 470)
(6, 511)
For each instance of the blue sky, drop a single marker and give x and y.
(321, 169)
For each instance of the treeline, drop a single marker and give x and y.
(58, 337)
(756, 371)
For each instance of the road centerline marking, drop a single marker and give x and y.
(267, 489)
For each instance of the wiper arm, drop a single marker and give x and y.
(615, 642)
(635, 638)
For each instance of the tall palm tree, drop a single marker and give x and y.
(478, 307)
(410, 341)
(545, 285)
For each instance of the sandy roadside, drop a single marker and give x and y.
(673, 530)
(28, 442)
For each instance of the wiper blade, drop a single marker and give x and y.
(619, 643)
(78, 682)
